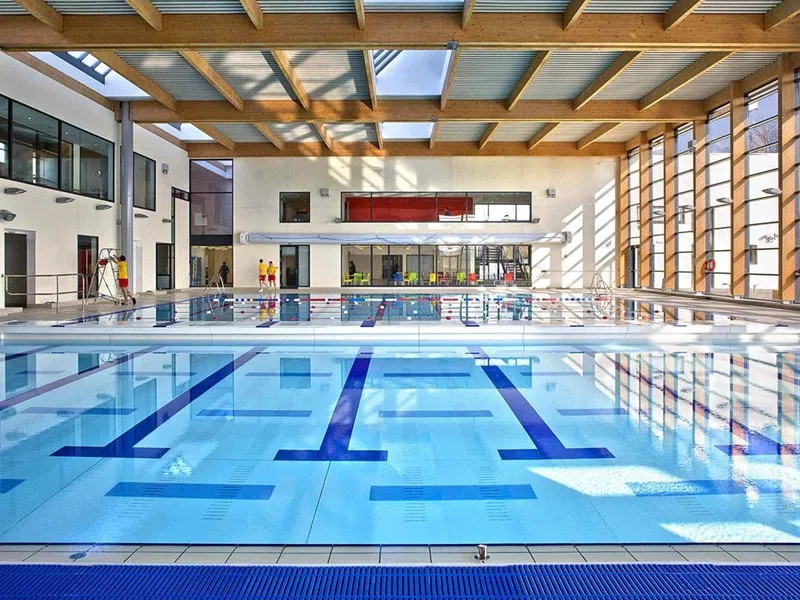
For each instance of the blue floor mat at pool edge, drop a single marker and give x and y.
(552, 582)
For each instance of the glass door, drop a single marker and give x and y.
(294, 266)
(165, 261)
(87, 258)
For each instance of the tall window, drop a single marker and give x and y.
(762, 183)
(34, 147)
(718, 199)
(144, 182)
(295, 207)
(657, 212)
(633, 212)
(4, 126)
(684, 206)
(422, 207)
(211, 207)
(87, 163)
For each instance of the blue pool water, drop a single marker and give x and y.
(395, 445)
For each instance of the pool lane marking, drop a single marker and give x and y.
(424, 375)
(129, 310)
(594, 412)
(6, 485)
(211, 491)
(425, 414)
(124, 445)
(440, 493)
(72, 411)
(548, 446)
(239, 412)
(335, 445)
(706, 487)
(59, 383)
(7, 357)
(281, 374)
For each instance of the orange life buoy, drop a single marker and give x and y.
(711, 264)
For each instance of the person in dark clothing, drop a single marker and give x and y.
(223, 272)
(352, 268)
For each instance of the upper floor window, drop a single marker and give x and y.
(421, 207)
(295, 207)
(4, 137)
(144, 182)
(87, 163)
(34, 147)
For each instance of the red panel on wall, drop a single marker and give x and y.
(410, 209)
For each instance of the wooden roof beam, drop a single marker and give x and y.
(451, 75)
(686, 76)
(466, 13)
(253, 10)
(146, 10)
(379, 135)
(539, 60)
(138, 79)
(596, 134)
(291, 77)
(216, 135)
(434, 135)
(270, 134)
(610, 74)
(369, 67)
(679, 11)
(574, 10)
(487, 135)
(538, 138)
(361, 15)
(43, 12)
(323, 135)
(202, 66)
(788, 9)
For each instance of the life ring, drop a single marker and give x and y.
(711, 264)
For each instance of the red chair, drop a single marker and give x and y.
(472, 278)
(509, 278)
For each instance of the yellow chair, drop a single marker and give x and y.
(432, 279)
(347, 279)
(366, 279)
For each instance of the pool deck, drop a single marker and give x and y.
(778, 554)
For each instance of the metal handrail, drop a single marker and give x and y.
(58, 293)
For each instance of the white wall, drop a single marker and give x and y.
(584, 206)
(56, 226)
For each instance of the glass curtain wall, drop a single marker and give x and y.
(633, 212)
(4, 127)
(34, 147)
(657, 211)
(211, 228)
(762, 194)
(87, 163)
(447, 265)
(718, 198)
(684, 207)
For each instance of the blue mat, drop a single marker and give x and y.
(551, 582)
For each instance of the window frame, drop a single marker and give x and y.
(281, 217)
(155, 183)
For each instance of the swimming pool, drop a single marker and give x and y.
(360, 444)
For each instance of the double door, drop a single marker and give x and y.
(294, 266)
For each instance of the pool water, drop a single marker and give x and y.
(394, 445)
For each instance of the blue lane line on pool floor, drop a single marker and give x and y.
(335, 444)
(425, 375)
(244, 412)
(269, 323)
(15, 355)
(124, 445)
(288, 374)
(6, 485)
(164, 373)
(707, 487)
(440, 493)
(594, 412)
(550, 374)
(165, 323)
(55, 410)
(548, 446)
(135, 489)
(40, 372)
(59, 383)
(469, 323)
(402, 414)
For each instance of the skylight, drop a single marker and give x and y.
(410, 73)
(87, 63)
(407, 131)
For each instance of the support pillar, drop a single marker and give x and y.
(701, 210)
(670, 211)
(788, 200)
(623, 221)
(738, 193)
(645, 216)
(126, 191)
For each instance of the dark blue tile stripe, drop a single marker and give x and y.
(59, 383)
(439, 493)
(287, 374)
(165, 323)
(28, 353)
(124, 445)
(402, 414)
(269, 323)
(164, 373)
(550, 374)
(701, 487)
(135, 489)
(425, 375)
(548, 446)
(586, 412)
(469, 323)
(6, 485)
(335, 444)
(55, 410)
(40, 372)
(214, 412)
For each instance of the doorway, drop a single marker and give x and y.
(294, 266)
(87, 259)
(165, 266)
(16, 263)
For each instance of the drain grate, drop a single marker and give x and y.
(551, 582)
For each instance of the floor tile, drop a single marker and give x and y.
(153, 558)
(203, 558)
(792, 557)
(512, 549)
(658, 557)
(162, 548)
(509, 558)
(707, 556)
(757, 557)
(744, 547)
(599, 548)
(21, 547)
(400, 558)
(451, 558)
(211, 549)
(405, 550)
(129, 548)
(354, 559)
(356, 550)
(608, 557)
(558, 557)
(696, 547)
(547, 548)
(774, 547)
(104, 557)
(453, 549)
(253, 558)
(50, 557)
(258, 549)
(307, 550)
(648, 548)
(304, 559)
(67, 547)
(13, 557)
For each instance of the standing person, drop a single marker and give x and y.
(262, 274)
(223, 272)
(352, 268)
(122, 277)
(272, 270)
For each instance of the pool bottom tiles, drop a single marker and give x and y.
(392, 445)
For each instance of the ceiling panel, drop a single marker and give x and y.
(625, 132)
(253, 74)
(566, 74)
(352, 132)
(170, 71)
(520, 131)
(734, 68)
(571, 132)
(635, 6)
(331, 74)
(737, 6)
(489, 74)
(521, 5)
(461, 131)
(240, 132)
(295, 132)
(646, 74)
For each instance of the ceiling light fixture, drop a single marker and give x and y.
(141, 216)
(724, 200)
(64, 200)
(102, 206)
(14, 191)
(772, 191)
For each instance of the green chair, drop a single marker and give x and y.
(357, 277)
(412, 278)
(461, 278)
